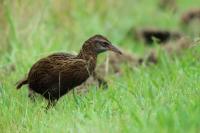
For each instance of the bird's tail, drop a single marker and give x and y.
(21, 83)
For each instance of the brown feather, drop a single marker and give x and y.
(57, 74)
(21, 83)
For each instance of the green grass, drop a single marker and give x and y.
(158, 98)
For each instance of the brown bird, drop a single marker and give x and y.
(57, 74)
(95, 78)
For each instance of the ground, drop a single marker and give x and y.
(156, 98)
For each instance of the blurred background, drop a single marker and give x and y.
(165, 96)
(36, 28)
(65, 24)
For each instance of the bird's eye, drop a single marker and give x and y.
(104, 44)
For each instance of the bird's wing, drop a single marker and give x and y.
(71, 66)
(76, 71)
(41, 72)
(61, 56)
(48, 71)
(49, 64)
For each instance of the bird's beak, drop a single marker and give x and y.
(114, 49)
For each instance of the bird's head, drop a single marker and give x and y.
(99, 44)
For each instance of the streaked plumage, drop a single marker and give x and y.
(55, 75)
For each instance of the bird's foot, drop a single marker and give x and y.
(51, 104)
(31, 95)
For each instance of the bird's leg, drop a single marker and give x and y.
(101, 81)
(31, 94)
(51, 103)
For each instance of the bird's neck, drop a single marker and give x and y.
(90, 57)
(86, 55)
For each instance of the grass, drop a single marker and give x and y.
(158, 98)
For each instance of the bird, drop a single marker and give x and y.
(95, 78)
(55, 75)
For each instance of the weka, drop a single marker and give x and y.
(57, 74)
(95, 78)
